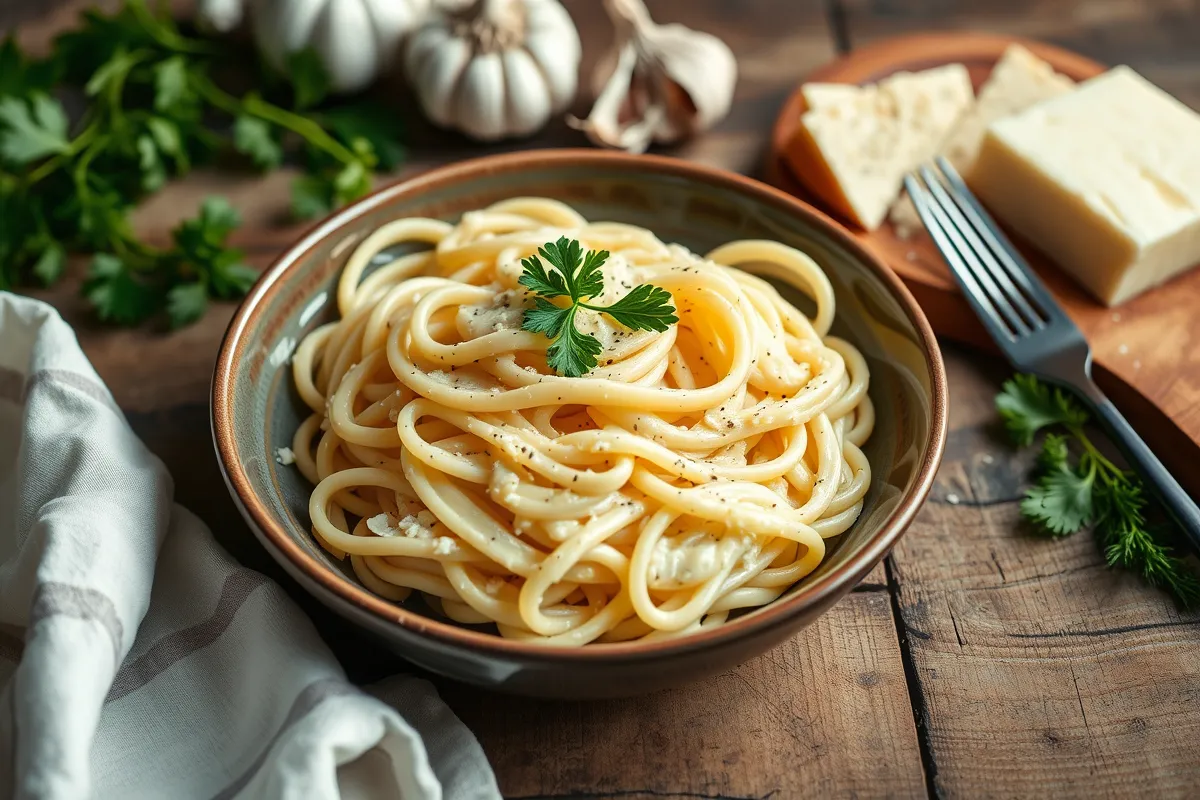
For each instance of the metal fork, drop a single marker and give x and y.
(1025, 320)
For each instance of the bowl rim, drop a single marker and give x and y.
(823, 592)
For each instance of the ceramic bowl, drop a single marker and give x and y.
(255, 408)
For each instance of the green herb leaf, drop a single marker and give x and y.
(646, 307)
(573, 353)
(171, 89)
(186, 303)
(33, 130)
(154, 172)
(351, 183)
(311, 197)
(253, 137)
(1096, 492)
(1060, 503)
(117, 296)
(50, 264)
(112, 74)
(1027, 405)
(370, 122)
(310, 79)
(578, 276)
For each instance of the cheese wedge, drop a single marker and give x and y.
(1019, 80)
(1104, 180)
(853, 148)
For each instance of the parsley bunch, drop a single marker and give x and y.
(1074, 492)
(152, 108)
(578, 278)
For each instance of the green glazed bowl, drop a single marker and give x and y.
(255, 408)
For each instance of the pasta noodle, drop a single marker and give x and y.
(690, 474)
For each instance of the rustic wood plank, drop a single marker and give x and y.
(1159, 38)
(824, 715)
(1042, 672)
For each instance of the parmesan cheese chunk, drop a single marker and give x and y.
(855, 144)
(1104, 180)
(1019, 80)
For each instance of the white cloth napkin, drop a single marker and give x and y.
(137, 659)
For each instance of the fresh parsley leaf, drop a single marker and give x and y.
(1096, 492)
(117, 296)
(33, 129)
(1055, 455)
(311, 197)
(20, 77)
(154, 172)
(111, 76)
(186, 303)
(230, 277)
(378, 126)
(545, 317)
(1027, 405)
(573, 353)
(50, 264)
(537, 279)
(253, 137)
(351, 183)
(646, 307)
(1060, 503)
(310, 79)
(579, 277)
(167, 136)
(171, 89)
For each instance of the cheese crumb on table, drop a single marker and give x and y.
(1104, 180)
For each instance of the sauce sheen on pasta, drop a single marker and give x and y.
(692, 473)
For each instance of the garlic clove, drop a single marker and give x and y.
(551, 38)
(528, 104)
(664, 83)
(393, 19)
(437, 77)
(479, 106)
(283, 26)
(351, 64)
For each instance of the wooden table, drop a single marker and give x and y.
(978, 661)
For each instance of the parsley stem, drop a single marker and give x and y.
(254, 105)
(165, 34)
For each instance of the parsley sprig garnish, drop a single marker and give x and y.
(153, 102)
(1071, 493)
(578, 278)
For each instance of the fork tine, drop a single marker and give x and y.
(979, 271)
(1008, 256)
(932, 217)
(997, 274)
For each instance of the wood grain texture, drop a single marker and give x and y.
(824, 715)
(1159, 38)
(1031, 665)
(1040, 671)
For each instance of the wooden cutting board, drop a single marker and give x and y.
(1147, 351)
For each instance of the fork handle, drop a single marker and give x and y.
(1181, 507)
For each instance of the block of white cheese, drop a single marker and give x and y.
(1105, 180)
(854, 144)
(1019, 80)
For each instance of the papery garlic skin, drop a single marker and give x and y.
(357, 40)
(494, 69)
(661, 83)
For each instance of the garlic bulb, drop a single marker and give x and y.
(356, 39)
(661, 83)
(221, 15)
(494, 68)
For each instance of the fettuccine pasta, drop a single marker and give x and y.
(690, 474)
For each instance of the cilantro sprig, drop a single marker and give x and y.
(577, 277)
(1073, 492)
(155, 102)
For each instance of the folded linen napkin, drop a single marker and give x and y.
(137, 659)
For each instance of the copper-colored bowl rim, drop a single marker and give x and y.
(830, 585)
